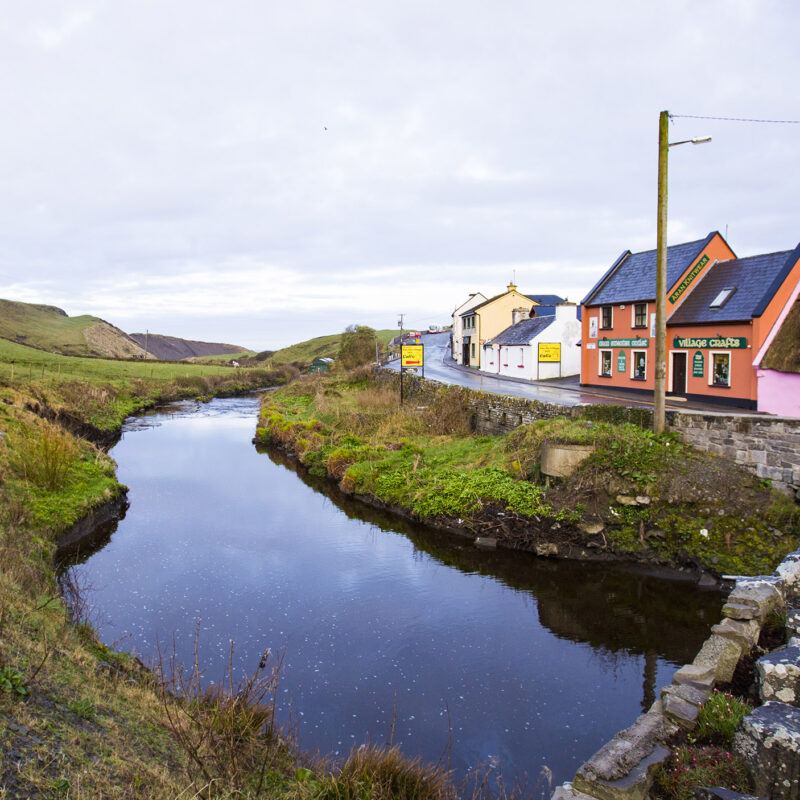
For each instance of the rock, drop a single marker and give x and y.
(700, 676)
(768, 742)
(682, 704)
(623, 768)
(486, 542)
(706, 581)
(743, 631)
(642, 499)
(546, 549)
(721, 655)
(592, 528)
(656, 533)
(789, 571)
(793, 623)
(761, 596)
(626, 500)
(567, 792)
(718, 793)
(779, 675)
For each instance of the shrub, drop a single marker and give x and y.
(689, 767)
(719, 716)
(11, 681)
(46, 457)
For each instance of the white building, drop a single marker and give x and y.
(457, 335)
(537, 348)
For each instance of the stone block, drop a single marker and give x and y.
(768, 741)
(789, 571)
(721, 654)
(635, 785)
(743, 631)
(700, 676)
(682, 704)
(762, 595)
(779, 675)
(793, 623)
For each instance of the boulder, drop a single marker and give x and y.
(755, 599)
(721, 655)
(779, 675)
(718, 793)
(742, 631)
(793, 623)
(768, 742)
(789, 571)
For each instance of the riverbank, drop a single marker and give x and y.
(636, 497)
(79, 719)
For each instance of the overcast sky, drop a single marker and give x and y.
(262, 172)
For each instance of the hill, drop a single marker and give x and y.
(320, 347)
(172, 348)
(50, 328)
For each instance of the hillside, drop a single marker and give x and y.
(320, 347)
(172, 348)
(50, 328)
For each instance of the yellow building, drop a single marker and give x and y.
(486, 320)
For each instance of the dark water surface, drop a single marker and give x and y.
(523, 661)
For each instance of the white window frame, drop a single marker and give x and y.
(633, 315)
(634, 353)
(610, 373)
(711, 354)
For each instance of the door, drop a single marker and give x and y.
(465, 354)
(679, 373)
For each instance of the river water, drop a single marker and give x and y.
(386, 628)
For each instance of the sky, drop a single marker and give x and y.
(260, 173)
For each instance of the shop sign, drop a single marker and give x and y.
(621, 361)
(715, 342)
(698, 365)
(549, 352)
(623, 343)
(686, 282)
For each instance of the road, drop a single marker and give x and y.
(439, 366)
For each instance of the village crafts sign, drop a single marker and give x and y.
(717, 343)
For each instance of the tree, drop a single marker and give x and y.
(357, 346)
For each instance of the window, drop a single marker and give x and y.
(640, 315)
(720, 369)
(722, 297)
(605, 317)
(605, 363)
(472, 350)
(639, 365)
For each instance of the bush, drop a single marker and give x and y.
(719, 716)
(46, 457)
(689, 767)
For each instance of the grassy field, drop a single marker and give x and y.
(320, 347)
(49, 328)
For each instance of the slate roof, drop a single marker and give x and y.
(523, 331)
(632, 277)
(756, 280)
(545, 299)
(783, 354)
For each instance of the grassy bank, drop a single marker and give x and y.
(80, 720)
(638, 495)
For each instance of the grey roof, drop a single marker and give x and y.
(523, 331)
(756, 280)
(545, 299)
(632, 276)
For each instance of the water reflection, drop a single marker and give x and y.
(386, 625)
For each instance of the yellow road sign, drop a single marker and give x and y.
(411, 355)
(549, 351)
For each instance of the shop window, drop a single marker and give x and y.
(640, 315)
(720, 369)
(639, 368)
(606, 317)
(605, 363)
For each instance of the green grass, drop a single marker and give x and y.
(320, 347)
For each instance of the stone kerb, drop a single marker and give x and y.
(767, 740)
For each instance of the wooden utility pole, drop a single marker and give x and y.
(660, 372)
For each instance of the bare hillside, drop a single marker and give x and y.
(172, 348)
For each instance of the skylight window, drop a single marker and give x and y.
(722, 297)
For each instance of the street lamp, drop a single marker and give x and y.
(659, 393)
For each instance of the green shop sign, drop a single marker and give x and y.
(698, 365)
(622, 342)
(621, 361)
(715, 342)
(686, 282)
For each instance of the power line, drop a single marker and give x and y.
(738, 119)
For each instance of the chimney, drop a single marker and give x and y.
(512, 287)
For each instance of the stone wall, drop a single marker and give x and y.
(767, 446)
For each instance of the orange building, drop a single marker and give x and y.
(720, 310)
